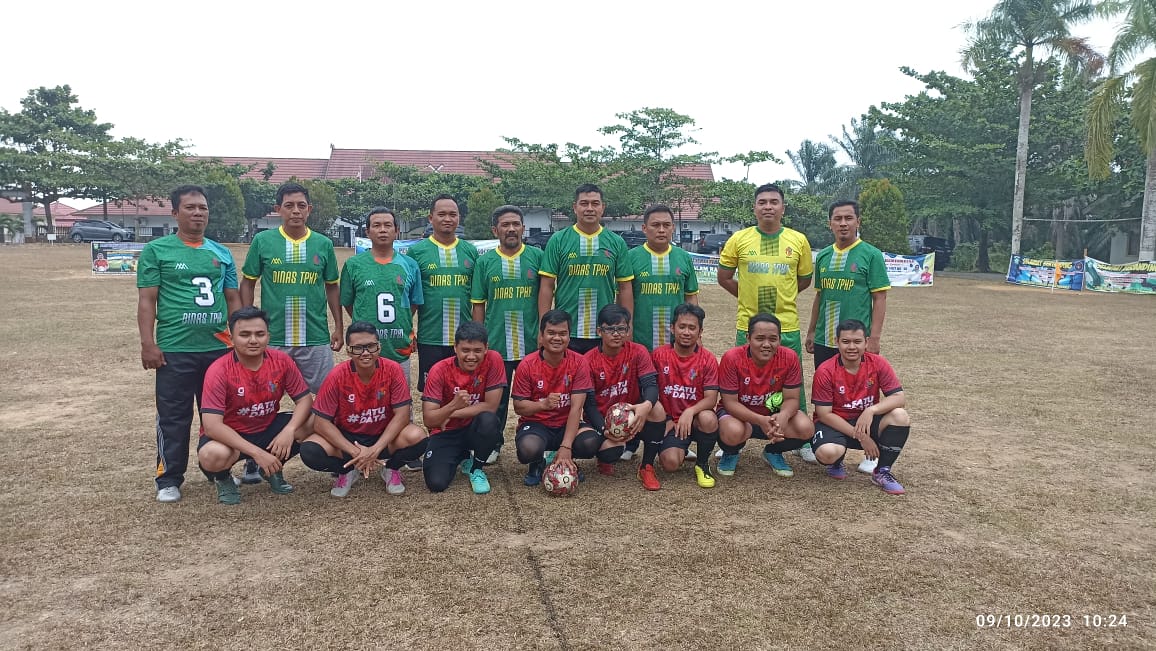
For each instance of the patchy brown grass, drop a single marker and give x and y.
(1029, 477)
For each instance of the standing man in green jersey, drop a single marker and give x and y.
(186, 287)
(664, 278)
(851, 283)
(298, 272)
(446, 264)
(583, 268)
(383, 287)
(774, 265)
(505, 296)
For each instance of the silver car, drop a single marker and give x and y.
(87, 230)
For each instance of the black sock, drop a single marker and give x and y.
(705, 445)
(731, 449)
(477, 465)
(405, 455)
(223, 475)
(890, 442)
(649, 452)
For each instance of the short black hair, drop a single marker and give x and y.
(364, 327)
(380, 210)
(246, 313)
(471, 331)
(554, 317)
(769, 187)
(505, 210)
(658, 207)
(434, 204)
(763, 317)
(612, 314)
(291, 188)
(586, 188)
(688, 308)
(840, 204)
(850, 325)
(176, 194)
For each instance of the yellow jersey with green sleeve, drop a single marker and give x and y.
(768, 269)
(587, 270)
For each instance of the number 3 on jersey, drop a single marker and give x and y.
(385, 311)
(206, 297)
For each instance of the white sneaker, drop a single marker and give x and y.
(393, 483)
(868, 465)
(808, 454)
(493, 458)
(169, 494)
(718, 454)
(691, 455)
(627, 455)
(343, 482)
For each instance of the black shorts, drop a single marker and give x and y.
(822, 354)
(825, 434)
(427, 356)
(448, 446)
(583, 346)
(756, 430)
(264, 438)
(365, 441)
(552, 435)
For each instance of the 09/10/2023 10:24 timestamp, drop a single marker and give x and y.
(1047, 620)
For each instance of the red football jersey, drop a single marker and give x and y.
(616, 379)
(360, 408)
(683, 381)
(739, 374)
(249, 400)
(446, 377)
(849, 394)
(535, 379)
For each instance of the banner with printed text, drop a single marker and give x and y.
(115, 258)
(1056, 274)
(1133, 278)
(705, 267)
(362, 244)
(910, 270)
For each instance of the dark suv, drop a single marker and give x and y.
(539, 239)
(633, 238)
(923, 244)
(87, 230)
(712, 243)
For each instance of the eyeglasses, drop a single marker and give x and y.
(365, 348)
(615, 330)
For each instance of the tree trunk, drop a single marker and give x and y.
(959, 229)
(49, 226)
(982, 263)
(1148, 213)
(1026, 82)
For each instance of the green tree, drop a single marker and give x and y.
(1138, 84)
(46, 146)
(1023, 26)
(884, 215)
(324, 200)
(870, 154)
(815, 164)
(479, 207)
(226, 203)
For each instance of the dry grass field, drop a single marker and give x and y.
(1029, 474)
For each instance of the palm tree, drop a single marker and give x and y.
(1137, 35)
(868, 151)
(1025, 26)
(816, 165)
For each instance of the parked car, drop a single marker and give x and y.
(712, 243)
(633, 238)
(87, 230)
(538, 239)
(923, 244)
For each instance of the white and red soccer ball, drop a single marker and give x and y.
(619, 418)
(560, 481)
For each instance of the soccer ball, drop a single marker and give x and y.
(559, 481)
(775, 401)
(618, 419)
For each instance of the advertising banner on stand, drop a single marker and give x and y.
(910, 270)
(115, 258)
(1133, 278)
(1056, 274)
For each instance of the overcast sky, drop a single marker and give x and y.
(288, 79)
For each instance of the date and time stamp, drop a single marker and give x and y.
(1051, 621)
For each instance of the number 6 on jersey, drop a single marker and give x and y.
(385, 311)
